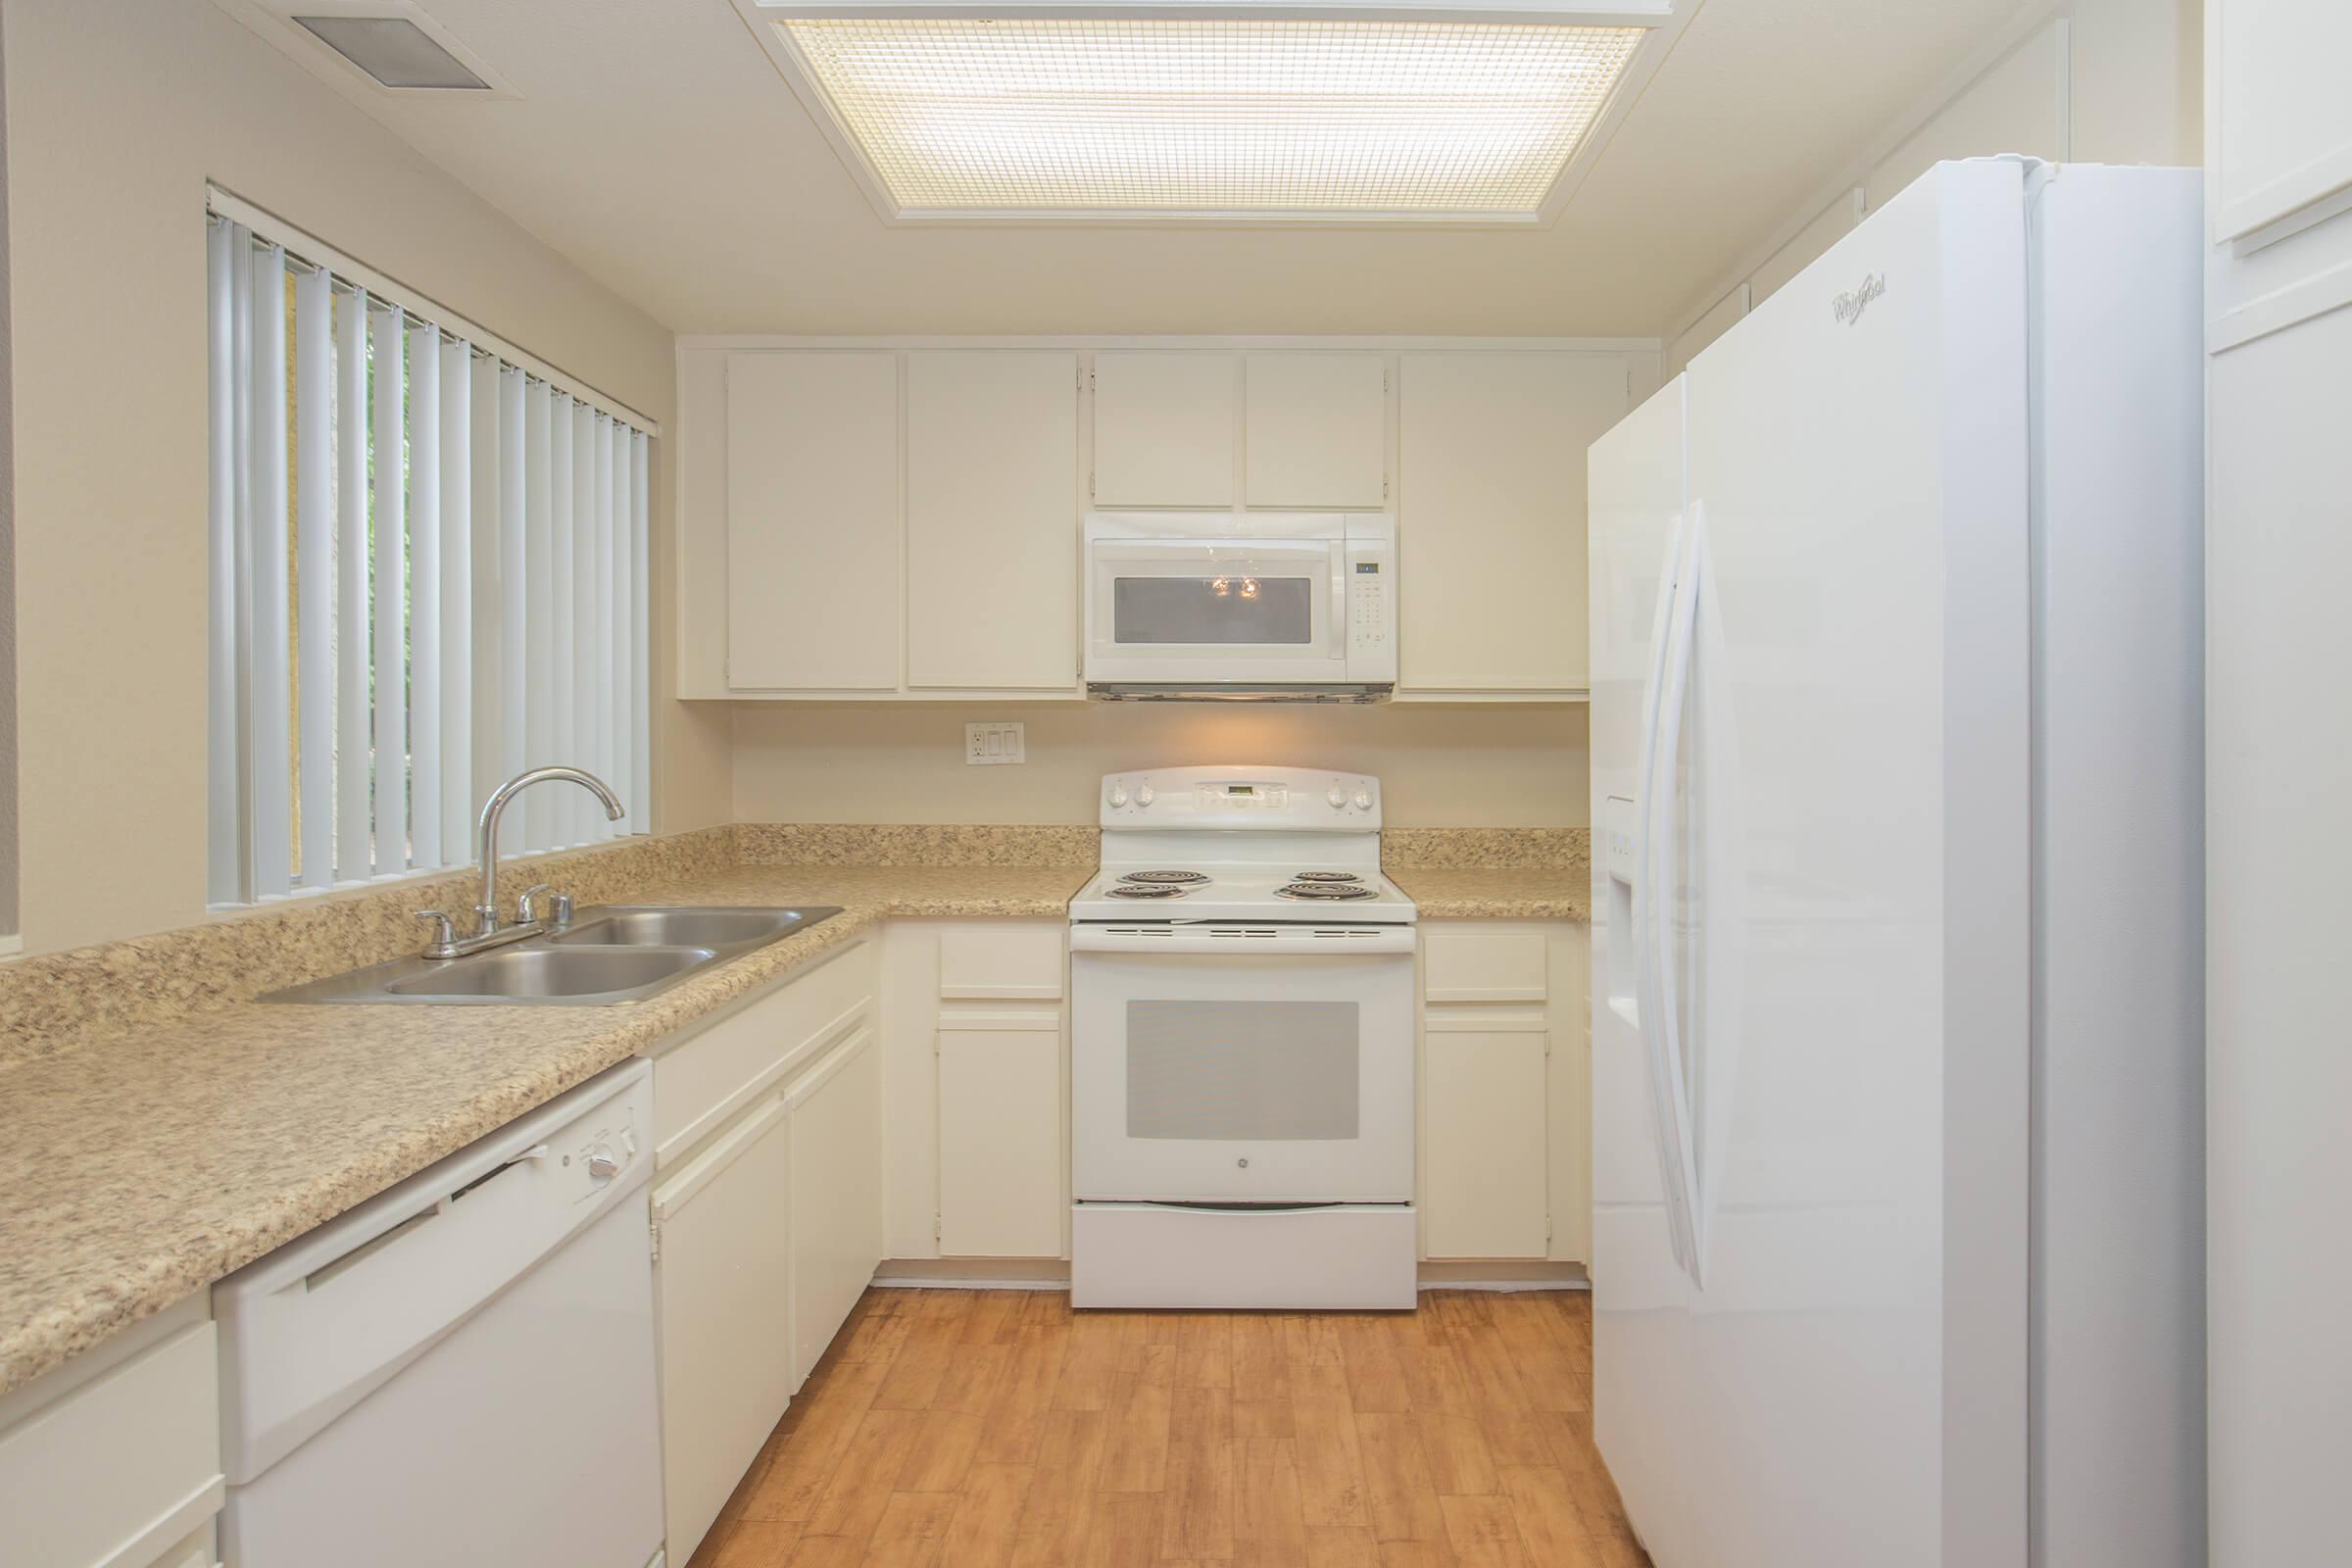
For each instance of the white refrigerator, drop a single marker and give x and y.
(1897, 1051)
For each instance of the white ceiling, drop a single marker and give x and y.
(654, 143)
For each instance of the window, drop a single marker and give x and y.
(428, 572)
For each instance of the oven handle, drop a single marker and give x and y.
(1243, 938)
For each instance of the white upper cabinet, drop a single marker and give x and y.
(1490, 517)
(2281, 138)
(812, 521)
(992, 520)
(1164, 424)
(1315, 430)
(891, 522)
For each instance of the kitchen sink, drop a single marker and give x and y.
(655, 926)
(608, 953)
(536, 973)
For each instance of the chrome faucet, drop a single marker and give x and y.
(490, 930)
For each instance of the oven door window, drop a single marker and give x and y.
(1243, 1071)
(1235, 611)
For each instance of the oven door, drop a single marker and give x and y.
(1265, 1065)
(1215, 610)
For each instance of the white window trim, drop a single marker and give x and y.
(268, 226)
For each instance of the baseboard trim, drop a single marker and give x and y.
(1053, 1274)
(1496, 1274)
(973, 1274)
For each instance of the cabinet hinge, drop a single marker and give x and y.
(652, 1231)
(937, 1229)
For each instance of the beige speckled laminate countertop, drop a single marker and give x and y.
(1481, 893)
(140, 1168)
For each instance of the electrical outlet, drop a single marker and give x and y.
(986, 744)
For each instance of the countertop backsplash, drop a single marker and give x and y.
(1486, 849)
(50, 1002)
(53, 1001)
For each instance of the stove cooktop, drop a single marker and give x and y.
(1249, 843)
(1241, 893)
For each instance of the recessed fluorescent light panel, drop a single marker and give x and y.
(394, 50)
(1226, 114)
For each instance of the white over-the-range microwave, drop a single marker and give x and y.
(1241, 606)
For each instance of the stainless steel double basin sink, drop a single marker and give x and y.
(608, 953)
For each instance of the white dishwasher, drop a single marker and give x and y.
(459, 1370)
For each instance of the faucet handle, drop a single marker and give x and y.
(524, 907)
(445, 935)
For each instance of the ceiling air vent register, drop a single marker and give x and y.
(393, 50)
(374, 50)
(1296, 113)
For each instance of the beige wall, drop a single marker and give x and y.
(1442, 766)
(2110, 82)
(118, 113)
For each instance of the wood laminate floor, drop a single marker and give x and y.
(999, 1429)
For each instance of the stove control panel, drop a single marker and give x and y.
(1286, 799)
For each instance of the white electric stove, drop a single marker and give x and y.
(1241, 1048)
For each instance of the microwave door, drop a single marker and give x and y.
(1187, 610)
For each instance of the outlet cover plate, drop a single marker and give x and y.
(988, 745)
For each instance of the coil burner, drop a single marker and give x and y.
(1325, 892)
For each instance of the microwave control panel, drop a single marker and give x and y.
(1370, 609)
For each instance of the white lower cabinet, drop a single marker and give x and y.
(1505, 1092)
(835, 1206)
(1000, 1135)
(766, 1218)
(724, 1289)
(113, 1461)
(974, 1069)
(1489, 1192)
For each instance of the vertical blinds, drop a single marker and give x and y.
(428, 574)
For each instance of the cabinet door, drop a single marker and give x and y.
(992, 520)
(1315, 430)
(1568, 1072)
(98, 1474)
(2277, 1076)
(1000, 1135)
(1163, 429)
(1490, 517)
(812, 521)
(2282, 122)
(725, 1279)
(835, 1193)
(1486, 1191)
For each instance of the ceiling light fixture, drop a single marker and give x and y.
(1309, 111)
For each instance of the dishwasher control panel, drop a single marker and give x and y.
(602, 1149)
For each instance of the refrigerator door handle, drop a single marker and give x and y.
(1647, 1004)
(1654, 887)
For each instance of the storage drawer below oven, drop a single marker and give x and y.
(1340, 1256)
